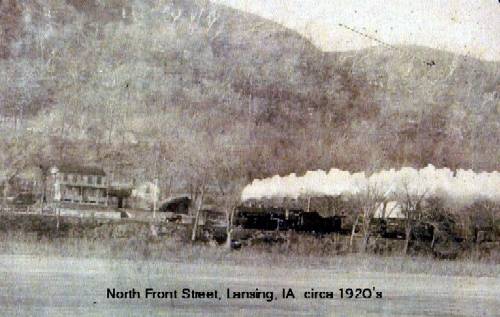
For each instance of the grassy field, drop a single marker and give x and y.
(60, 272)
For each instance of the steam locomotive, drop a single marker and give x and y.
(279, 218)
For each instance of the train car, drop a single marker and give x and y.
(279, 218)
(314, 222)
(260, 218)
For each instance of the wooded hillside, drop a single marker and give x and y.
(200, 93)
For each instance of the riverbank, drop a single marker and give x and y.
(136, 241)
(59, 286)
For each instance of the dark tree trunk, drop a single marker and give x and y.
(407, 239)
(4, 195)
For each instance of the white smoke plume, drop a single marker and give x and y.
(462, 186)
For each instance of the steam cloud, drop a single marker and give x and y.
(462, 186)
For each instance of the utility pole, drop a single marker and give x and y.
(155, 188)
(155, 197)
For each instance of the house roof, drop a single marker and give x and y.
(176, 199)
(212, 209)
(75, 168)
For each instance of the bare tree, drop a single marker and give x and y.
(370, 199)
(15, 157)
(411, 206)
(198, 206)
(231, 200)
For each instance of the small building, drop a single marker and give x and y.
(177, 205)
(389, 210)
(210, 215)
(144, 195)
(75, 184)
(119, 196)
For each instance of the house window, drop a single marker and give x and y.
(99, 180)
(90, 179)
(75, 178)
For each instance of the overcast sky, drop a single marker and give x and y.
(468, 27)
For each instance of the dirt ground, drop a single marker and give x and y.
(31, 285)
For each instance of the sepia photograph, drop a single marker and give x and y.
(249, 158)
